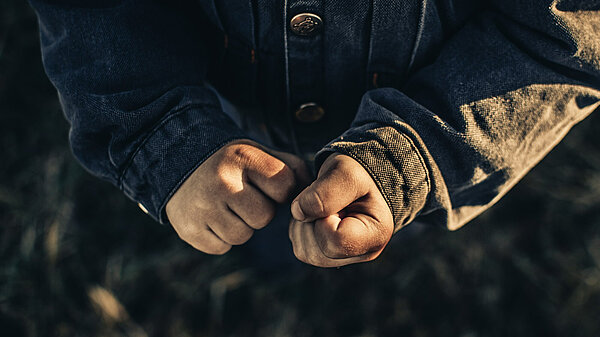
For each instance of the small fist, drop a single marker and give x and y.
(341, 218)
(232, 194)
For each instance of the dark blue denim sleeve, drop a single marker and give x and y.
(130, 76)
(500, 95)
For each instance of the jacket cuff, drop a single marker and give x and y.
(171, 152)
(394, 163)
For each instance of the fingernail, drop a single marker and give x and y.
(297, 211)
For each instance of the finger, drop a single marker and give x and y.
(313, 255)
(303, 175)
(297, 164)
(252, 206)
(294, 233)
(310, 252)
(334, 189)
(307, 251)
(205, 240)
(272, 176)
(231, 228)
(347, 237)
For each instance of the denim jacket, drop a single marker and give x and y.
(446, 103)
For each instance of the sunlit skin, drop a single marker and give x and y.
(232, 194)
(339, 219)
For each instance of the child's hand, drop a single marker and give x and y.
(233, 193)
(341, 218)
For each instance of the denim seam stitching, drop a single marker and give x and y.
(420, 30)
(370, 55)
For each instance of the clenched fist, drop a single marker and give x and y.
(232, 194)
(341, 218)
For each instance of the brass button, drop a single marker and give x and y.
(309, 113)
(306, 24)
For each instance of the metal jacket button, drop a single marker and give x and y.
(142, 208)
(309, 113)
(306, 24)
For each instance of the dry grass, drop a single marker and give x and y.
(77, 258)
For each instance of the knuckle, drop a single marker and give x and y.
(288, 182)
(235, 156)
(243, 153)
(222, 179)
(224, 173)
(227, 181)
(272, 165)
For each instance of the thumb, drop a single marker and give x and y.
(334, 189)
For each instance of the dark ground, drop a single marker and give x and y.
(78, 258)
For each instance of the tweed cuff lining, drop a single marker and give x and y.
(394, 163)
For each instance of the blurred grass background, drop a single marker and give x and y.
(78, 258)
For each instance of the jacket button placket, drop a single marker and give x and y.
(305, 60)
